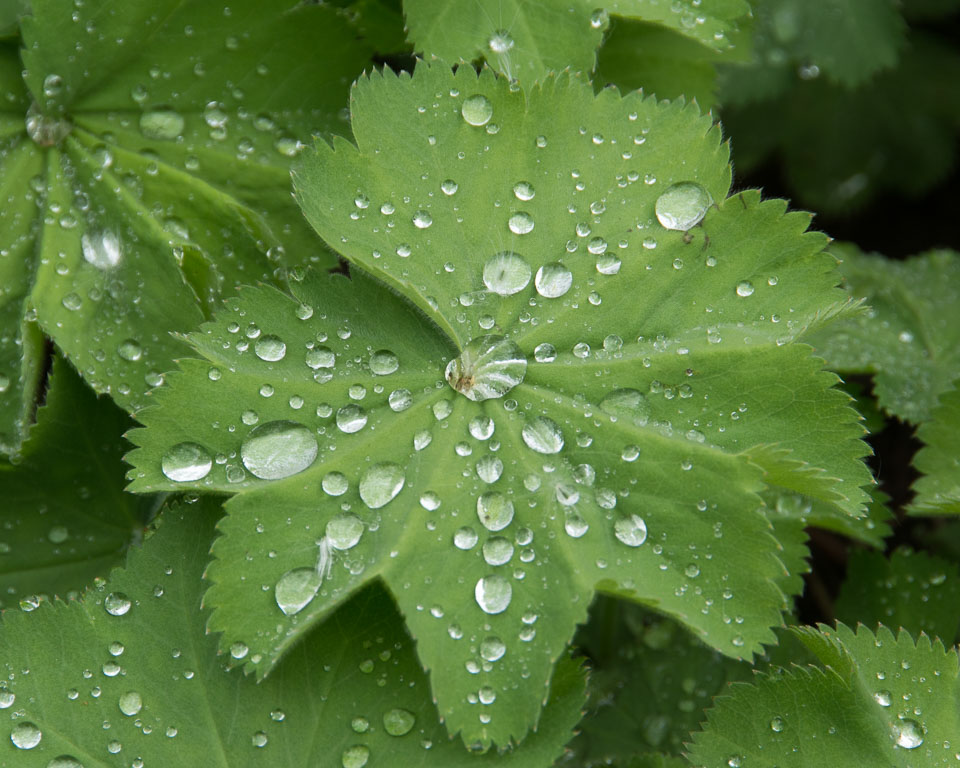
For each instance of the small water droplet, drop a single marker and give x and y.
(521, 223)
(101, 249)
(493, 594)
(130, 703)
(356, 756)
(492, 649)
(524, 191)
(744, 288)
(351, 418)
(344, 532)
(449, 187)
(477, 110)
(186, 462)
(465, 538)
(259, 739)
(296, 589)
(398, 722)
(117, 604)
(776, 725)
(682, 206)
(497, 550)
(422, 220)
(545, 353)
(130, 350)
(501, 42)
(506, 273)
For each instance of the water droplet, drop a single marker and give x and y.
(381, 483)
(501, 42)
(360, 725)
(186, 462)
(521, 223)
(45, 131)
(398, 722)
(465, 538)
(477, 110)
(351, 418)
(488, 367)
(489, 469)
(506, 273)
(908, 733)
(130, 350)
(25, 735)
(239, 650)
(493, 594)
(6, 698)
(65, 761)
(422, 220)
(523, 190)
(52, 85)
(101, 249)
(682, 205)
(355, 756)
(278, 449)
(497, 550)
(545, 353)
(494, 510)
(627, 404)
(259, 739)
(117, 604)
(553, 280)
(744, 288)
(542, 435)
(320, 357)
(161, 124)
(335, 483)
(344, 532)
(883, 698)
(296, 589)
(492, 649)
(270, 348)
(130, 703)
(631, 531)
(449, 187)
(776, 725)
(383, 362)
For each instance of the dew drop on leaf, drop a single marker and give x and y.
(449, 187)
(776, 725)
(320, 357)
(334, 483)
(492, 649)
(627, 404)
(506, 273)
(270, 348)
(130, 703)
(344, 532)
(356, 756)
(542, 435)
(351, 418)
(101, 249)
(477, 110)
(744, 288)
(117, 604)
(523, 190)
(489, 469)
(883, 698)
(465, 538)
(497, 550)
(381, 483)
(278, 449)
(481, 427)
(398, 722)
(383, 362)
(259, 739)
(908, 733)
(25, 735)
(521, 223)
(296, 589)
(545, 353)
(553, 280)
(6, 698)
(682, 205)
(65, 761)
(493, 594)
(400, 400)
(161, 124)
(422, 220)
(488, 367)
(501, 42)
(186, 462)
(631, 530)
(495, 510)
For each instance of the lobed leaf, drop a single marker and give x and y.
(66, 518)
(127, 675)
(145, 161)
(878, 700)
(938, 491)
(624, 396)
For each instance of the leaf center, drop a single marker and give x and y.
(488, 367)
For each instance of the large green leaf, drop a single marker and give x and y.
(938, 491)
(910, 337)
(65, 518)
(127, 676)
(879, 700)
(657, 391)
(525, 40)
(145, 172)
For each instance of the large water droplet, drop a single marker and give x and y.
(497, 550)
(130, 350)
(278, 449)
(351, 418)
(908, 733)
(25, 735)
(631, 531)
(381, 483)
(296, 589)
(45, 131)
(523, 190)
(117, 604)
(356, 756)
(488, 367)
(501, 41)
(521, 223)
(101, 249)
(65, 761)
(161, 124)
(477, 110)
(494, 510)
(493, 594)
(344, 532)
(883, 698)
(682, 205)
(553, 280)
(506, 273)
(270, 348)
(130, 703)
(398, 722)
(383, 362)
(542, 435)
(465, 538)
(628, 405)
(320, 357)
(492, 649)
(186, 462)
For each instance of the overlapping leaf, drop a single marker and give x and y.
(910, 590)
(938, 491)
(659, 385)
(879, 700)
(910, 337)
(65, 517)
(144, 159)
(128, 676)
(525, 40)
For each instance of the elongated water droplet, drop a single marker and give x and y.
(320, 357)
(186, 462)
(493, 594)
(278, 449)
(542, 435)
(506, 273)
(494, 510)
(381, 483)
(631, 531)
(270, 348)
(296, 589)
(682, 205)
(398, 722)
(628, 405)
(553, 280)
(488, 367)
(130, 350)
(65, 761)
(161, 124)
(344, 532)
(477, 110)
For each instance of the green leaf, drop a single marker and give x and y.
(527, 40)
(10, 13)
(879, 700)
(66, 518)
(910, 337)
(938, 491)
(152, 174)
(649, 685)
(134, 654)
(910, 590)
(622, 466)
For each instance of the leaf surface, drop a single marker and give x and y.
(622, 462)
(878, 700)
(145, 168)
(526, 40)
(134, 654)
(938, 491)
(910, 338)
(66, 518)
